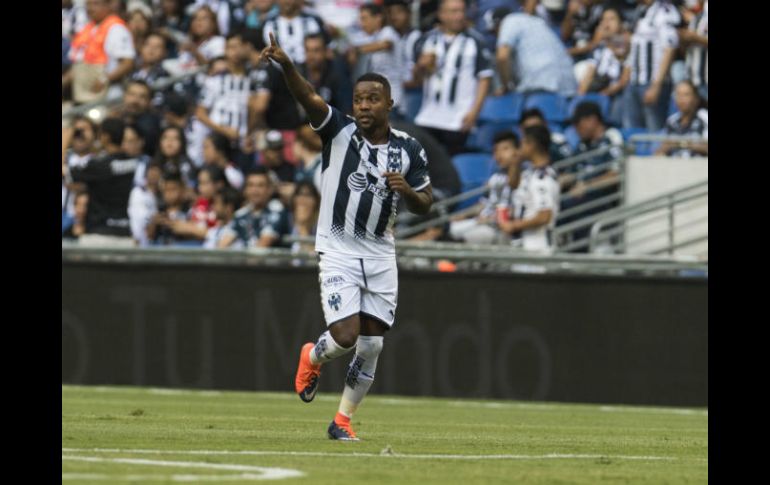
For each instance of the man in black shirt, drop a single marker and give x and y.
(109, 178)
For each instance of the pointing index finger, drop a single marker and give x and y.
(273, 43)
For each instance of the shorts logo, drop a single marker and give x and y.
(333, 281)
(357, 182)
(335, 300)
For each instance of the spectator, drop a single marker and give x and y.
(150, 69)
(139, 22)
(537, 196)
(133, 147)
(257, 11)
(263, 220)
(580, 24)
(456, 68)
(204, 43)
(226, 96)
(339, 16)
(226, 201)
(102, 55)
(373, 49)
(109, 178)
(319, 71)
(597, 177)
(559, 148)
(211, 179)
(606, 72)
(399, 17)
(691, 120)
(542, 63)
(305, 205)
(77, 148)
(272, 159)
(229, 13)
(307, 150)
(653, 44)
(172, 154)
(481, 227)
(696, 40)
(167, 226)
(77, 226)
(218, 152)
(143, 204)
(173, 23)
(177, 114)
(137, 110)
(73, 19)
(291, 26)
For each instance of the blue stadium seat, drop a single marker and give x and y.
(572, 137)
(501, 108)
(600, 99)
(641, 148)
(482, 137)
(474, 170)
(554, 106)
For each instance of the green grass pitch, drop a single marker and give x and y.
(142, 435)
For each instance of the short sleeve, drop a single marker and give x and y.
(119, 44)
(417, 176)
(334, 122)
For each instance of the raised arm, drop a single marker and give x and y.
(315, 107)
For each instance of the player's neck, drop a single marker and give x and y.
(377, 135)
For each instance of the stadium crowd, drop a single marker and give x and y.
(208, 148)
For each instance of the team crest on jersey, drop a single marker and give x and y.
(334, 301)
(394, 159)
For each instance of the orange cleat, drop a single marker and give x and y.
(306, 380)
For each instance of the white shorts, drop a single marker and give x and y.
(354, 285)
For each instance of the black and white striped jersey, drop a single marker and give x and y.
(358, 208)
(654, 33)
(697, 55)
(290, 33)
(226, 97)
(698, 127)
(608, 66)
(448, 94)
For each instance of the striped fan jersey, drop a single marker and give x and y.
(654, 32)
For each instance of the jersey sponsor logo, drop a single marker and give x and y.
(335, 301)
(357, 182)
(334, 281)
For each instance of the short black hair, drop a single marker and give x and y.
(230, 197)
(258, 171)
(539, 134)
(506, 136)
(221, 144)
(113, 128)
(396, 3)
(531, 113)
(586, 109)
(140, 82)
(372, 9)
(316, 35)
(234, 34)
(139, 132)
(377, 78)
(216, 174)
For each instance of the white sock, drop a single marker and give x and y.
(326, 349)
(360, 374)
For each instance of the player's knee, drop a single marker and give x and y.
(344, 337)
(369, 347)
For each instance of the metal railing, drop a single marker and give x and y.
(610, 229)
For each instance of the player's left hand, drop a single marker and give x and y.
(397, 182)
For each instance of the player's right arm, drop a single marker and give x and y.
(315, 107)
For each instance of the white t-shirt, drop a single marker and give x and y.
(339, 13)
(538, 190)
(381, 62)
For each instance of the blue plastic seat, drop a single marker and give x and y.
(501, 108)
(474, 170)
(554, 106)
(482, 137)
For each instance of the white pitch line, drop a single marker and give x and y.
(159, 478)
(265, 473)
(417, 456)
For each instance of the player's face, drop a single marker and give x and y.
(371, 105)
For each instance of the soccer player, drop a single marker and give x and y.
(366, 168)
